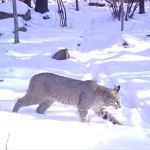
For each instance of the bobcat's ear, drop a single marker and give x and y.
(117, 88)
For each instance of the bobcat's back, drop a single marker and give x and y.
(61, 89)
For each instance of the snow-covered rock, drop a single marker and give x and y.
(6, 10)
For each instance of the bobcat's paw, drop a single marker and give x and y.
(40, 111)
(84, 119)
(16, 108)
(117, 122)
(121, 124)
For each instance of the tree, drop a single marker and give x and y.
(130, 11)
(28, 2)
(141, 7)
(122, 16)
(16, 31)
(77, 5)
(41, 6)
(62, 13)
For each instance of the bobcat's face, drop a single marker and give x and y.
(113, 98)
(116, 102)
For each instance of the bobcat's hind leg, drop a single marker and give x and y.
(27, 100)
(83, 113)
(83, 107)
(44, 106)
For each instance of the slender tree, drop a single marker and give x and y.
(16, 31)
(141, 7)
(62, 13)
(122, 16)
(77, 5)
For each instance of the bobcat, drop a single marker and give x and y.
(45, 88)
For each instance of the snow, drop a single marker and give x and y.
(100, 56)
(98, 2)
(5, 24)
(8, 8)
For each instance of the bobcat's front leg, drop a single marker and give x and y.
(108, 116)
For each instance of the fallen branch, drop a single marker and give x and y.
(132, 27)
(12, 55)
(30, 24)
(6, 51)
(7, 141)
(93, 21)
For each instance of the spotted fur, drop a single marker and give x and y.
(45, 88)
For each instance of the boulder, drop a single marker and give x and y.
(26, 16)
(61, 54)
(6, 10)
(96, 4)
(23, 29)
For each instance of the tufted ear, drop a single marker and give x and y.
(117, 88)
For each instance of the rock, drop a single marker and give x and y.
(125, 43)
(23, 29)
(148, 35)
(61, 55)
(27, 16)
(46, 17)
(96, 4)
(1, 33)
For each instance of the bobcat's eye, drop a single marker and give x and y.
(117, 102)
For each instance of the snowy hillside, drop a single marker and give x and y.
(100, 56)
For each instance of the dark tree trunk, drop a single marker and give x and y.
(77, 5)
(41, 6)
(28, 2)
(3, 1)
(141, 7)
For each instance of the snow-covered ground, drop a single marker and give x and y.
(100, 57)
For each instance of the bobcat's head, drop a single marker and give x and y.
(113, 98)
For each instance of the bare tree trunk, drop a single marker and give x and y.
(16, 40)
(77, 5)
(122, 16)
(41, 6)
(28, 2)
(62, 13)
(141, 7)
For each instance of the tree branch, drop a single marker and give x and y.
(7, 140)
